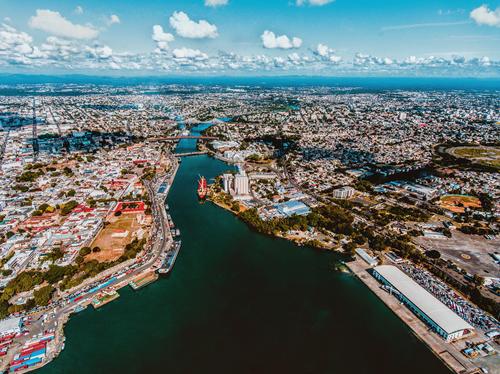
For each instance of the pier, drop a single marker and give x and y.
(448, 353)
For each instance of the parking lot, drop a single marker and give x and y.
(470, 252)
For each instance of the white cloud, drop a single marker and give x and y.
(99, 51)
(188, 28)
(18, 51)
(271, 41)
(423, 25)
(485, 16)
(14, 42)
(361, 59)
(161, 38)
(113, 19)
(313, 2)
(54, 23)
(188, 53)
(79, 9)
(216, 3)
(325, 53)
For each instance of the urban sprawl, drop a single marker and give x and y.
(404, 183)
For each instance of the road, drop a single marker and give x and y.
(53, 317)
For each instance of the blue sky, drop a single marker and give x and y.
(251, 37)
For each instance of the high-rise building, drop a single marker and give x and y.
(237, 185)
(227, 180)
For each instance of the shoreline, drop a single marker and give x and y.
(289, 237)
(448, 353)
(55, 347)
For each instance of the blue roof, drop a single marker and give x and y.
(289, 208)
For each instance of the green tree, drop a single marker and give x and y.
(43, 295)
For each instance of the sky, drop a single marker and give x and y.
(251, 37)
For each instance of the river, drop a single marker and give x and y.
(239, 302)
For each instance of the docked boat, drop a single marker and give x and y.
(202, 188)
(169, 261)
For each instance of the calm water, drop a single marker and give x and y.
(239, 302)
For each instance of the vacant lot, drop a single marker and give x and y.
(115, 236)
(458, 203)
(470, 252)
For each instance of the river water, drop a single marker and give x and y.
(239, 302)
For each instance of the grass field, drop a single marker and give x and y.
(111, 246)
(489, 156)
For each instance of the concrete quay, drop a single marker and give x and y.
(448, 353)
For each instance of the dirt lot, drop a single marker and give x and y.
(458, 203)
(470, 252)
(115, 236)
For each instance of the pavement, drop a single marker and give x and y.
(448, 353)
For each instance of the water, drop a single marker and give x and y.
(240, 302)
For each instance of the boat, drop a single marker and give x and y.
(202, 188)
(169, 261)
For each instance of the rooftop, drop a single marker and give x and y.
(427, 303)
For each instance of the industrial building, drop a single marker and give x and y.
(344, 192)
(430, 310)
(290, 208)
(237, 185)
(366, 257)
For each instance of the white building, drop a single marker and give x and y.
(241, 184)
(430, 310)
(237, 185)
(344, 192)
(227, 181)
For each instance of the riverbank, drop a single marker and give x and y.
(449, 353)
(102, 289)
(297, 237)
(231, 282)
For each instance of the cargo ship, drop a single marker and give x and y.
(202, 188)
(170, 258)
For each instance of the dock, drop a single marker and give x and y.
(104, 298)
(143, 280)
(448, 353)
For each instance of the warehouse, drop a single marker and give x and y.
(433, 312)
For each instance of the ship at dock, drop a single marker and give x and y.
(169, 260)
(202, 188)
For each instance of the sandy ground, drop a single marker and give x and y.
(457, 204)
(113, 247)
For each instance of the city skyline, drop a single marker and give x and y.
(243, 38)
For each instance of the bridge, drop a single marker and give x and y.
(185, 154)
(166, 138)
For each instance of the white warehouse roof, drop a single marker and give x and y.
(448, 320)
